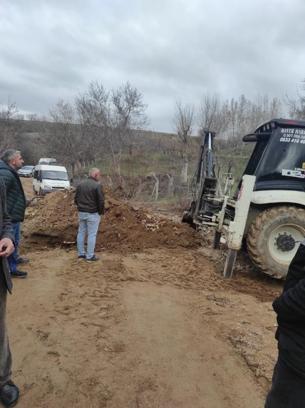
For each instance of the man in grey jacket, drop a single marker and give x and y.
(9, 392)
(89, 199)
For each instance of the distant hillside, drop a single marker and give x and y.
(146, 151)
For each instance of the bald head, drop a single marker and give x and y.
(95, 173)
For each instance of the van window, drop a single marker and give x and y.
(54, 175)
(35, 174)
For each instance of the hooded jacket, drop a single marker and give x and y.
(16, 201)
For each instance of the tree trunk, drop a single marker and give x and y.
(170, 187)
(184, 171)
(155, 192)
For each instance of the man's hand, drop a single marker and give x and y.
(6, 247)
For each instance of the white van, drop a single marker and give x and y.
(48, 178)
(47, 160)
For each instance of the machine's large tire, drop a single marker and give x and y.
(273, 239)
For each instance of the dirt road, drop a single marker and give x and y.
(150, 325)
(155, 329)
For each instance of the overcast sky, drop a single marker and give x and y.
(169, 49)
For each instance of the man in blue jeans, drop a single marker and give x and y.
(89, 199)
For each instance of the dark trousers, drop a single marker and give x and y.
(5, 354)
(12, 259)
(288, 388)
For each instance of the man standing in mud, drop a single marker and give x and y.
(11, 161)
(89, 199)
(288, 382)
(9, 392)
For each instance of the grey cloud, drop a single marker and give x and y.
(169, 49)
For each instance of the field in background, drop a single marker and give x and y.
(144, 156)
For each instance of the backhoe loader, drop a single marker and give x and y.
(266, 215)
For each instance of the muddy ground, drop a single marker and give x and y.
(155, 327)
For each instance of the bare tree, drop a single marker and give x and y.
(108, 118)
(65, 140)
(262, 110)
(297, 106)
(8, 125)
(233, 118)
(213, 114)
(183, 121)
(93, 109)
(129, 108)
(128, 114)
(32, 117)
(9, 111)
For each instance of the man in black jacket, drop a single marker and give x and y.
(288, 382)
(9, 392)
(89, 199)
(16, 201)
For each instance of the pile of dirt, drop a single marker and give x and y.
(53, 220)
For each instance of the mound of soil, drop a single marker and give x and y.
(53, 220)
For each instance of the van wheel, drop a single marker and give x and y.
(274, 237)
